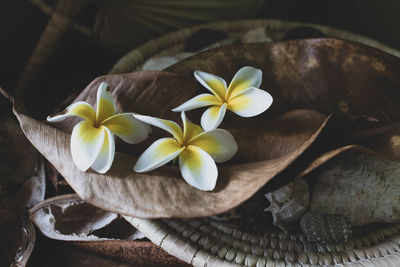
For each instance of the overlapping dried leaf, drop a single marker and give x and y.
(324, 75)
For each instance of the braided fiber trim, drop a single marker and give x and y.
(207, 243)
(173, 43)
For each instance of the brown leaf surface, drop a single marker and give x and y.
(326, 75)
(68, 218)
(383, 139)
(162, 193)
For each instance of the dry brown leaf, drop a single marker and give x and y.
(326, 75)
(68, 218)
(161, 193)
(383, 139)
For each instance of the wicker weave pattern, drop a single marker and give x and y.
(173, 43)
(203, 243)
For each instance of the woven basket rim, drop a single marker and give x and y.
(136, 57)
(213, 244)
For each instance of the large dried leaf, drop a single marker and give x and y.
(68, 218)
(325, 75)
(163, 193)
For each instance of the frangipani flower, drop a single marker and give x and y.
(242, 96)
(92, 140)
(197, 150)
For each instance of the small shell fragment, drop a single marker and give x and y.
(288, 204)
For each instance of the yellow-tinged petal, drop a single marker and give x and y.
(80, 109)
(250, 102)
(214, 83)
(159, 153)
(105, 158)
(190, 129)
(105, 103)
(246, 77)
(213, 117)
(167, 125)
(198, 168)
(86, 143)
(199, 101)
(127, 127)
(218, 143)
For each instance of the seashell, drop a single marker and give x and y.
(326, 228)
(360, 186)
(288, 203)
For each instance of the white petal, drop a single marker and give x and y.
(250, 102)
(190, 130)
(106, 156)
(199, 101)
(159, 153)
(167, 125)
(105, 103)
(213, 117)
(127, 127)
(198, 168)
(245, 77)
(86, 143)
(80, 109)
(213, 83)
(218, 143)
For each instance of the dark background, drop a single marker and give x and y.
(77, 59)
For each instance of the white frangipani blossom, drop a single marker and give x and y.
(198, 150)
(92, 139)
(242, 96)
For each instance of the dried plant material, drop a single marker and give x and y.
(68, 218)
(383, 139)
(160, 193)
(359, 185)
(18, 157)
(17, 234)
(321, 80)
(325, 75)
